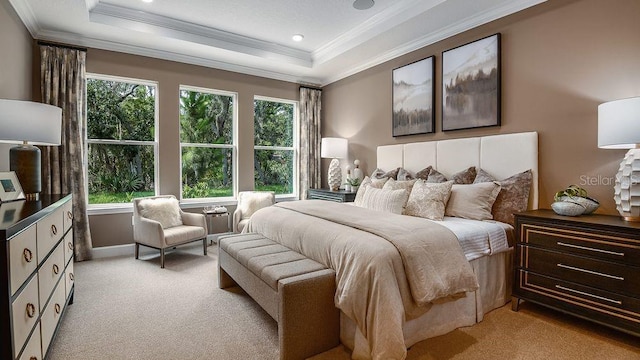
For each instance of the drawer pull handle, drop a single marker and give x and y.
(590, 272)
(56, 269)
(27, 254)
(70, 245)
(587, 294)
(590, 249)
(54, 229)
(71, 276)
(31, 310)
(69, 215)
(56, 307)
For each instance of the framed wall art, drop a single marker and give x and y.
(471, 85)
(414, 98)
(10, 188)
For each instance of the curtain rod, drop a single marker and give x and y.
(46, 43)
(310, 87)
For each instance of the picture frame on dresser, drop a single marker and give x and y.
(10, 188)
(471, 82)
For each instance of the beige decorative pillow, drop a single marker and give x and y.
(392, 201)
(368, 182)
(428, 200)
(462, 177)
(395, 185)
(513, 196)
(473, 201)
(166, 211)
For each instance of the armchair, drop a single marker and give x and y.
(248, 203)
(159, 223)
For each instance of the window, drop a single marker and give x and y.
(121, 139)
(207, 142)
(275, 150)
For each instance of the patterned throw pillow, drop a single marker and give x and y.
(472, 201)
(392, 201)
(428, 200)
(424, 173)
(368, 182)
(513, 196)
(463, 177)
(395, 185)
(404, 175)
(380, 174)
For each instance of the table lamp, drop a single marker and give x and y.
(334, 148)
(619, 128)
(29, 123)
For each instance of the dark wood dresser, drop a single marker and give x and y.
(587, 266)
(326, 194)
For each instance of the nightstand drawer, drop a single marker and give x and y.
(23, 259)
(50, 230)
(25, 312)
(581, 270)
(33, 350)
(51, 317)
(612, 248)
(49, 273)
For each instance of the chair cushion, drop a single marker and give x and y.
(166, 211)
(242, 224)
(250, 202)
(183, 233)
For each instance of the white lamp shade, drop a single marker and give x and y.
(36, 123)
(334, 148)
(619, 124)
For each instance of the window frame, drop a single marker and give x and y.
(295, 146)
(110, 208)
(233, 146)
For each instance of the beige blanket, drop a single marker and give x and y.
(389, 268)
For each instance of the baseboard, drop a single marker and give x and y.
(128, 249)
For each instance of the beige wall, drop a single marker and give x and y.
(116, 229)
(560, 60)
(15, 64)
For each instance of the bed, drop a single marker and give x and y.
(387, 307)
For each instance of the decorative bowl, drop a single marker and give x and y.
(568, 208)
(590, 204)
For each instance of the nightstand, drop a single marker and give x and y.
(587, 266)
(326, 194)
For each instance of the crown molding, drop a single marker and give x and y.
(26, 15)
(137, 20)
(95, 43)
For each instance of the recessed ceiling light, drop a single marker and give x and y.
(363, 4)
(297, 37)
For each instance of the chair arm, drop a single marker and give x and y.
(193, 219)
(148, 231)
(237, 216)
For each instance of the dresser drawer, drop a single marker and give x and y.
(25, 311)
(33, 350)
(604, 275)
(67, 210)
(68, 246)
(23, 258)
(69, 279)
(612, 248)
(49, 273)
(50, 230)
(51, 316)
(619, 310)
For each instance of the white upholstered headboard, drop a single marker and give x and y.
(499, 155)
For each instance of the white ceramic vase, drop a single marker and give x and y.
(335, 175)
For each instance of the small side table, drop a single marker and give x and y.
(326, 194)
(210, 216)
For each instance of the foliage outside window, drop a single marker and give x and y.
(121, 118)
(207, 143)
(275, 152)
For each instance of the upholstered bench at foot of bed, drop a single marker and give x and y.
(296, 291)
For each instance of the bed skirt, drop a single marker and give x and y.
(494, 275)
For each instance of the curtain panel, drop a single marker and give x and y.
(310, 118)
(63, 83)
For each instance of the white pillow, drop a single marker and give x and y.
(473, 201)
(166, 211)
(428, 200)
(392, 201)
(250, 202)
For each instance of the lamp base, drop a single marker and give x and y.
(25, 161)
(335, 175)
(627, 188)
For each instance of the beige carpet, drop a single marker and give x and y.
(132, 309)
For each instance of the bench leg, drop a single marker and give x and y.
(224, 280)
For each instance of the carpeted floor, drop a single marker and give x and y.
(132, 309)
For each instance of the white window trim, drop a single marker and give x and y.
(295, 147)
(114, 208)
(227, 200)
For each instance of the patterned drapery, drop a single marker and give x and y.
(310, 106)
(63, 84)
